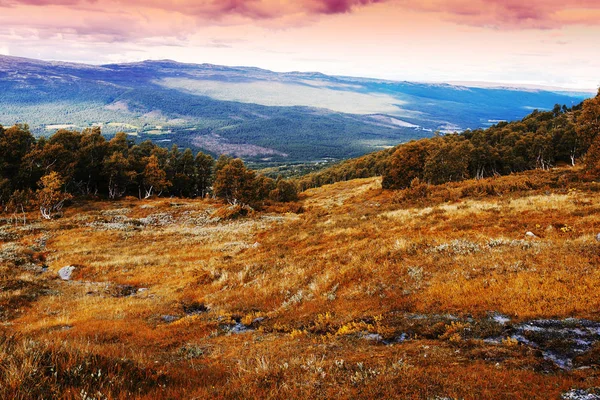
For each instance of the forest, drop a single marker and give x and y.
(540, 140)
(47, 172)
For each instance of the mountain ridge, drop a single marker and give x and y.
(308, 116)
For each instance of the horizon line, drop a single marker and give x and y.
(452, 82)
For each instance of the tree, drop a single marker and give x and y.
(91, 153)
(154, 177)
(15, 143)
(119, 143)
(204, 173)
(264, 186)
(50, 197)
(588, 126)
(448, 160)
(235, 183)
(222, 162)
(406, 164)
(285, 191)
(19, 201)
(184, 174)
(591, 161)
(116, 170)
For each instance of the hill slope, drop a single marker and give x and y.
(540, 140)
(366, 294)
(249, 112)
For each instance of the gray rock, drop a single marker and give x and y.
(169, 318)
(65, 272)
(500, 319)
(580, 394)
(560, 341)
(598, 237)
(530, 235)
(372, 337)
(402, 338)
(236, 329)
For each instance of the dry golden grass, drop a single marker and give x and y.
(312, 286)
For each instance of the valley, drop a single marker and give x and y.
(267, 118)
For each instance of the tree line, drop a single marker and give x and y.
(46, 172)
(540, 140)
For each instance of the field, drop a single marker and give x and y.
(480, 289)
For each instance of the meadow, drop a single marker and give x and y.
(466, 290)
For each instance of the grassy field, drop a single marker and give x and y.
(353, 292)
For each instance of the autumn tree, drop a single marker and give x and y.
(406, 164)
(448, 160)
(50, 197)
(19, 201)
(154, 177)
(235, 183)
(284, 191)
(588, 124)
(264, 186)
(591, 161)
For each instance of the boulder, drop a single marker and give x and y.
(169, 318)
(65, 272)
(530, 234)
(598, 237)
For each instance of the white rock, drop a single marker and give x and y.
(598, 237)
(65, 272)
(530, 234)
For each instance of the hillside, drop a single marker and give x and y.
(366, 293)
(262, 116)
(540, 140)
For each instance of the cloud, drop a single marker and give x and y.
(255, 9)
(511, 14)
(134, 20)
(120, 20)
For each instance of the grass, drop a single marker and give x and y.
(162, 287)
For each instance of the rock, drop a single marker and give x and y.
(169, 318)
(560, 341)
(598, 237)
(530, 234)
(580, 394)
(372, 337)
(236, 329)
(65, 272)
(500, 319)
(402, 338)
(123, 290)
(194, 308)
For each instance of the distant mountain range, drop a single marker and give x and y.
(260, 115)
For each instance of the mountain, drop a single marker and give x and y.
(260, 115)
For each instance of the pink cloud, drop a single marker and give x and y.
(121, 20)
(511, 14)
(257, 9)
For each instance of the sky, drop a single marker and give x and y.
(534, 42)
